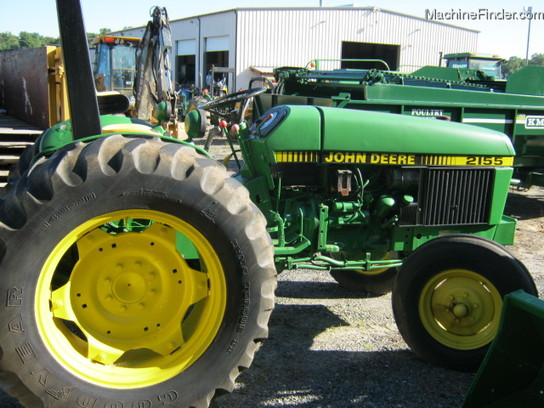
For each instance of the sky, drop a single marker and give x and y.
(502, 32)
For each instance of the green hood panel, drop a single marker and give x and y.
(356, 130)
(299, 128)
(315, 128)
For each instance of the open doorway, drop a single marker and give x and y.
(389, 53)
(220, 79)
(186, 70)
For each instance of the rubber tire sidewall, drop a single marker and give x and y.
(470, 252)
(25, 251)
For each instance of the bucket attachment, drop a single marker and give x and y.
(512, 373)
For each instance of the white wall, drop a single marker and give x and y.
(293, 37)
(201, 28)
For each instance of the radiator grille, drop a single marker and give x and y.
(455, 196)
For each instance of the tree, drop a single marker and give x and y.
(25, 39)
(8, 41)
(537, 59)
(516, 63)
(92, 36)
(30, 40)
(512, 65)
(51, 41)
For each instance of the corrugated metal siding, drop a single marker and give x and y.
(202, 28)
(293, 37)
(199, 29)
(131, 32)
(276, 37)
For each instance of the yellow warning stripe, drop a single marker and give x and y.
(297, 157)
(437, 160)
(398, 159)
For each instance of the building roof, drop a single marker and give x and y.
(370, 8)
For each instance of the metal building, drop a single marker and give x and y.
(251, 41)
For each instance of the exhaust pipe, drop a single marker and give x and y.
(84, 112)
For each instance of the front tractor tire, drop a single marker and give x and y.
(375, 282)
(135, 272)
(447, 298)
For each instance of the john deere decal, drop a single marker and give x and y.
(396, 159)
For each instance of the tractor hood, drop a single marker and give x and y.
(305, 128)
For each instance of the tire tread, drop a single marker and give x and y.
(117, 155)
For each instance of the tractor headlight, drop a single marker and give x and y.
(196, 122)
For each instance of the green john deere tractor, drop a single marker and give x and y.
(138, 273)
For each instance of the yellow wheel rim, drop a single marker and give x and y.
(375, 272)
(460, 309)
(130, 311)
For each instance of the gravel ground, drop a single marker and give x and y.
(329, 347)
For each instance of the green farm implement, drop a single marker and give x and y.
(137, 272)
(462, 94)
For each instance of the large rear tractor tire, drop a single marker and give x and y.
(135, 272)
(22, 165)
(447, 298)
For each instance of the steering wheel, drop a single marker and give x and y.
(220, 106)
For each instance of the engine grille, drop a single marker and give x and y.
(454, 196)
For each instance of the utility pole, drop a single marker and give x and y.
(530, 17)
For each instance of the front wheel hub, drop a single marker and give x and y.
(460, 309)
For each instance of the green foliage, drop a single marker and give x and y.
(537, 59)
(25, 39)
(51, 41)
(30, 40)
(512, 65)
(516, 63)
(92, 36)
(9, 41)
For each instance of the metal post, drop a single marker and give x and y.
(528, 11)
